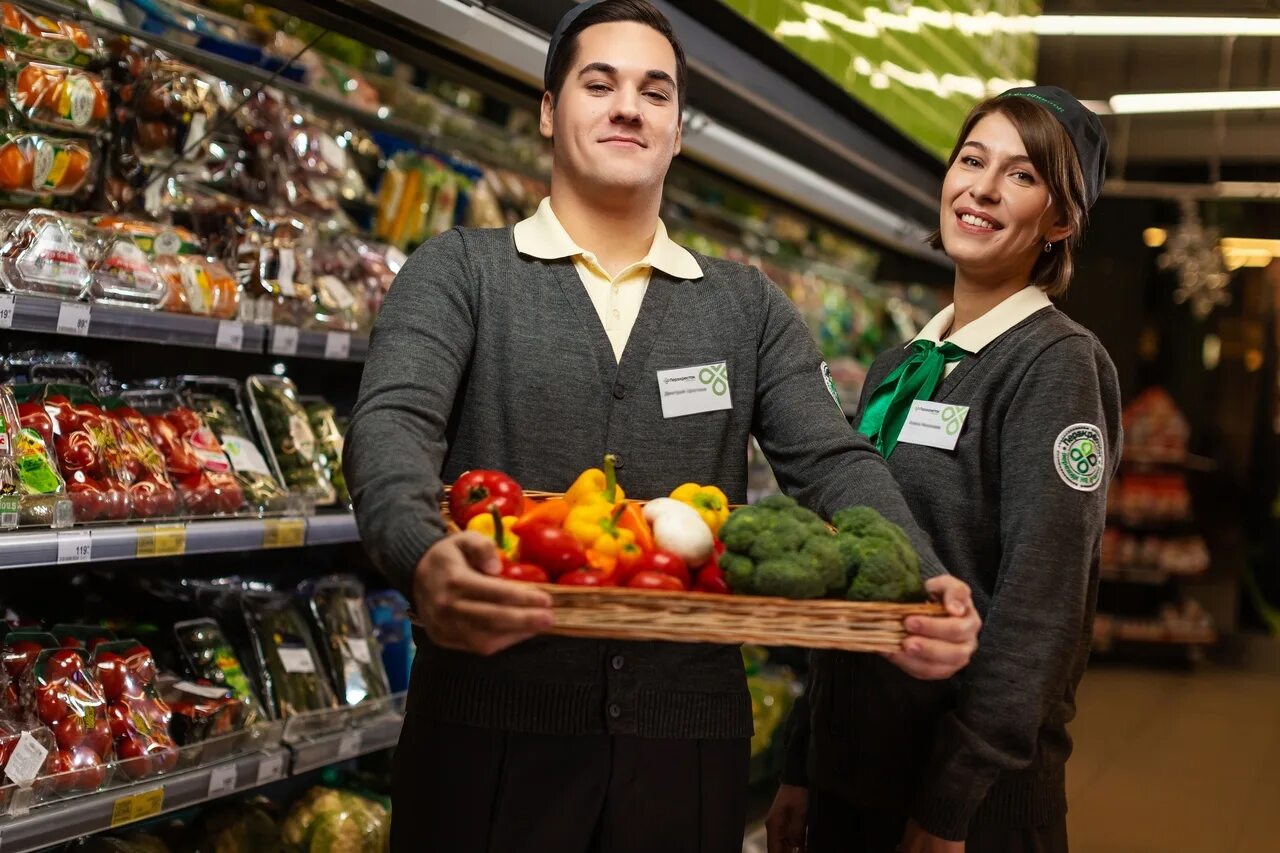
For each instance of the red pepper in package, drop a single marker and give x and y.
(152, 492)
(84, 440)
(62, 693)
(196, 462)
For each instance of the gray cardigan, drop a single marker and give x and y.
(483, 358)
(991, 744)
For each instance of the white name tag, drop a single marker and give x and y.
(934, 424)
(693, 390)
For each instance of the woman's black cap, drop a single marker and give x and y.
(1084, 128)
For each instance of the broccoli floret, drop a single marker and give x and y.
(858, 520)
(781, 538)
(742, 527)
(885, 576)
(739, 571)
(826, 561)
(850, 554)
(776, 502)
(788, 578)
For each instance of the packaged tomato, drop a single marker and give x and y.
(57, 41)
(42, 254)
(138, 717)
(43, 95)
(27, 752)
(20, 650)
(194, 458)
(60, 691)
(87, 637)
(88, 453)
(35, 164)
(150, 489)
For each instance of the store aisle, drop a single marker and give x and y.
(1176, 762)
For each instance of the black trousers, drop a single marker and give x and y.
(837, 826)
(457, 789)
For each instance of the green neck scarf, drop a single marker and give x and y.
(915, 379)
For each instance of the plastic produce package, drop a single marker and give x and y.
(44, 95)
(20, 650)
(150, 488)
(274, 269)
(217, 400)
(289, 666)
(42, 255)
(20, 761)
(138, 717)
(289, 440)
(192, 282)
(124, 275)
(393, 630)
(60, 690)
(199, 711)
(209, 658)
(37, 164)
(329, 443)
(341, 624)
(57, 41)
(86, 448)
(329, 819)
(39, 494)
(193, 456)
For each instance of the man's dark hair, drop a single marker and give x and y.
(613, 12)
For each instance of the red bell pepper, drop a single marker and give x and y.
(475, 491)
(552, 548)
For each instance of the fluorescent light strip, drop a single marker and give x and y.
(1193, 102)
(1152, 25)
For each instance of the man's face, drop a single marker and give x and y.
(616, 120)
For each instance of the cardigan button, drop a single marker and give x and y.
(617, 662)
(617, 461)
(615, 710)
(619, 390)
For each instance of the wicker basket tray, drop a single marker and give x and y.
(697, 617)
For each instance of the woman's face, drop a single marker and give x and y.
(996, 210)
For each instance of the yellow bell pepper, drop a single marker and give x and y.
(595, 527)
(486, 525)
(710, 502)
(596, 486)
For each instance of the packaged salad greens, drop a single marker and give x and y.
(341, 624)
(324, 423)
(289, 666)
(28, 433)
(288, 438)
(209, 658)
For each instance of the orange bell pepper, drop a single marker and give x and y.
(633, 519)
(551, 513)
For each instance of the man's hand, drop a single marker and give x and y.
(788, 820)
(462, 606)
(940, 646)
(916, 840)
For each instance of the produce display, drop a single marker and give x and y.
(290, 667)
(151, 491)
(291, 443)
(329, 820)
(32, 491)
(139, 718)
(329, 443)
(209, 659)
(84, 439)
(59, 688)
(341, 626)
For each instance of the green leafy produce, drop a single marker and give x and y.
(342, 628)
(779, 548)
(252, 472)
(290, 667)
(290, 439)
(324, 423)
(880, 556)
(326, 820)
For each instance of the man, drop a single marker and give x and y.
(536, 350)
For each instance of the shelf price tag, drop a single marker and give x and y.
(284, 533)
(75, 546)
(337, 345)
(230, 335)
(222, 780)
(137, 807)
(284, 340)
(349, 746)
(7, 303)
(271, 768)
(162, 540)
(73, 318)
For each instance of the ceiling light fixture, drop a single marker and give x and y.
(1152, 25)
(1192, 102)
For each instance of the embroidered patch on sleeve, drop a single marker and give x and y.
(1079, 458)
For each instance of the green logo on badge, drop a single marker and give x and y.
(1078, 457)
(716, 377)
(953, 418)
(831, 384)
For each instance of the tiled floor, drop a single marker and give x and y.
(1176, 762)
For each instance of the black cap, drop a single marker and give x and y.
(557, 35)
(1084, 128)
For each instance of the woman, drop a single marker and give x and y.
(1001, 422)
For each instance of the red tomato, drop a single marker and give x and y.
(583, 577)
(89, 773)
(51, 703)
(132, 756)
(475, 491)
(655, 580)
(62, 664)
(69, 732)
(59, 767)
(664, 562)
(99, 738)
(19, 656)
(140, 663)
(525, 572)
(711, 579)
(112, 674)
(120, 717)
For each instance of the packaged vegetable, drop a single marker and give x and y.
(197, 285)
(124, 275)
(88, 637)
(342, 626)
(210, 659)
(43, 95)
(86, 448)
(60, 690)
(326, 819)
(27, 764)
(289, 439)
(199, 710)
(193, 456)
(42, 493)
(329, 443)
(289, 666)
(34, 164)
(341, 303)
(57, 41)
(41, 255)
(393, 631)
(138, 717)
(217, 400)
(150, 488)
(20, 650)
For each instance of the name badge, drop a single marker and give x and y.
(694, 390)
(934, 424)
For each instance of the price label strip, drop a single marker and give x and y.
(337, 345)
(230, 335)
(73, 318)
(271, 768)
(75, 546)
(349, 746)
(137, 807)
(162, 540)
(284, 533)
(8, 304)
(222, 780)
(284, 340)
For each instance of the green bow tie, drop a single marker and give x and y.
(915, 379)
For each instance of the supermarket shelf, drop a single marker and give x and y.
(334, 346)
(57, 823)
(373, 735)
(42, 313)
(1146, 577)
(131, 541)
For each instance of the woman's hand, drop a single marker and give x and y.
(940, 646)
(788, 820)
(917, 840)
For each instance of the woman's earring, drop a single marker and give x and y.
(1048, 247)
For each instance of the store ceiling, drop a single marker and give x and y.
(1179, 146)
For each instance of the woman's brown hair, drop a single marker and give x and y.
(1054, 157)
